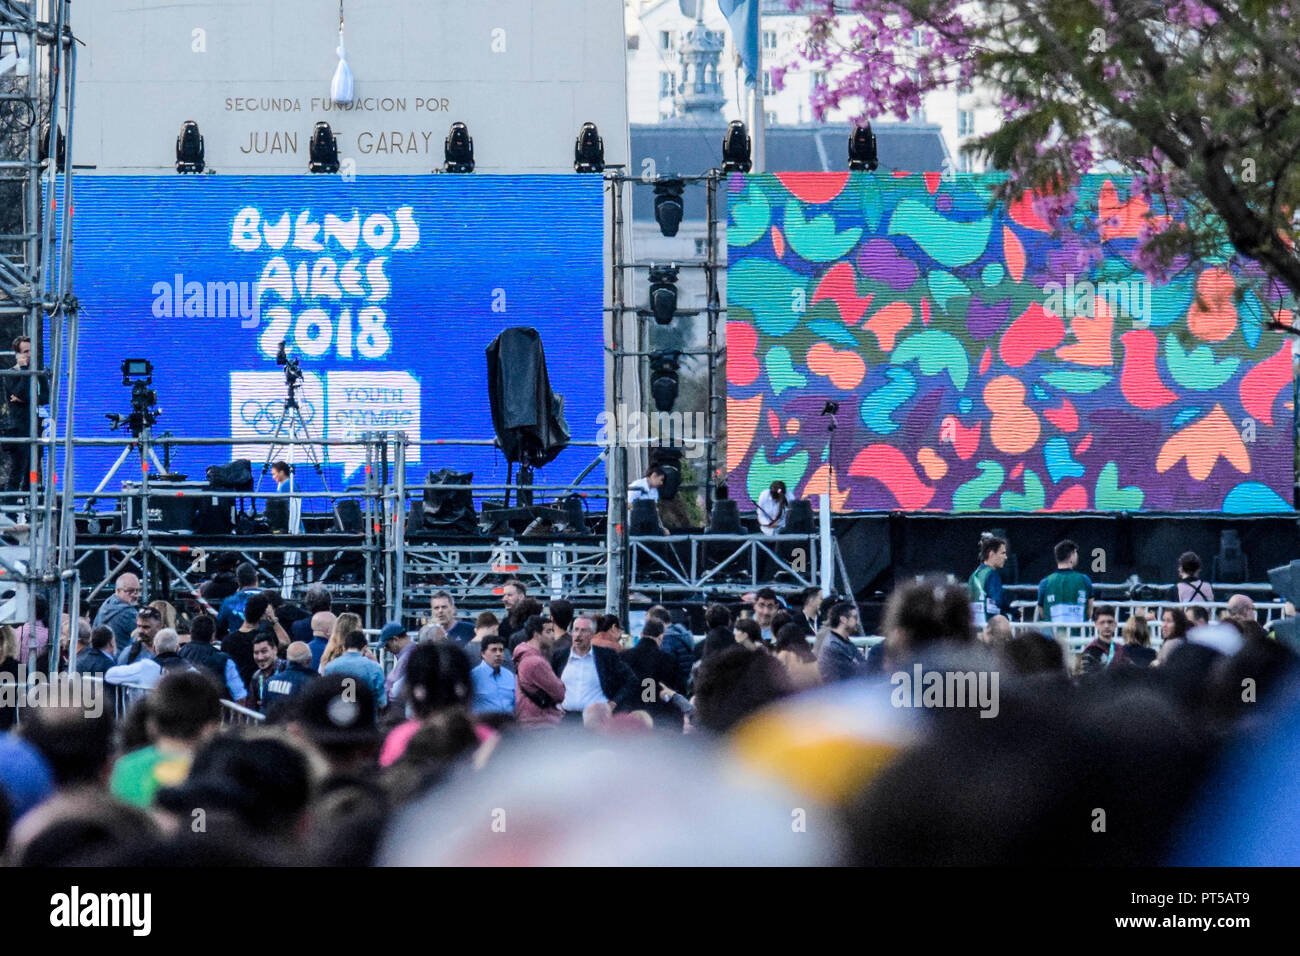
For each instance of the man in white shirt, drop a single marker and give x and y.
(147, 671)
(647, 487)
(581, 669)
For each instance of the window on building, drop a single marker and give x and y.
(917, 37)
(965, 122)
(666, 40)
(963, 87)
(819, 79)
(768, 88)
(769, 39)
(667, 83)
(634, 41)
(771, 119)
(965, 164)
(701, 247)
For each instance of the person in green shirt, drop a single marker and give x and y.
(1065, 595)
(985, 584)
(184, 710)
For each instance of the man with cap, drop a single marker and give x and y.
(394, 639)
(336, 716)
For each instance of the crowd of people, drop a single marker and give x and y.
(353, 731)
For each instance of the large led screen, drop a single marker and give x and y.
(387, 290)
(980, 362)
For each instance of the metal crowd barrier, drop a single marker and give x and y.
(120, 698)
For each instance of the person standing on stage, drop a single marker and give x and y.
(986, 595)
(772, 505)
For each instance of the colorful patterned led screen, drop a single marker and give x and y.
(981, 363)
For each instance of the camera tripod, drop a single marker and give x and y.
(142, 446)
(291, 415)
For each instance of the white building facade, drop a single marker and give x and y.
(655, 32)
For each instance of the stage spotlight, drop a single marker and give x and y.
(663, 293)
(323, 150)
(862, 149)
(189, 149)
(735, 149)
(663, 378)
(589, 150)
(668, 205)
(458, 150)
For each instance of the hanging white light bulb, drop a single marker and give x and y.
(341, 91)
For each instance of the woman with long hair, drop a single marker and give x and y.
(1136, 651)
(345, 625)
(1174, 625)
(167, 611)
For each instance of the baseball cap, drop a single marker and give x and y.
(391, 629)
(25, 777)
(337, 711)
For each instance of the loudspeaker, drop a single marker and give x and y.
(277, 515)
(670, 460)
(644, 519)
(725, 518)
(172, 514)
(212, 516)
(1230, 565)
(347, 517)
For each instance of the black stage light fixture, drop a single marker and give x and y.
(663, 293)
(589, 150)
(736, 149)
(323, 150)
(43, 154)
(663, 377)
(458, 150)
(668, 205)
(862, 149)
(189, 148)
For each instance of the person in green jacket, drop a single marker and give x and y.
(1065, 595)
(985, 585)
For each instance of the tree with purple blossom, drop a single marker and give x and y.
(1195, 99)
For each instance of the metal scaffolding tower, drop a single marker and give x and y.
(37, 79)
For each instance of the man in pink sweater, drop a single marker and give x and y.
(538, 691)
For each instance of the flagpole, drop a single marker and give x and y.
(758, 121)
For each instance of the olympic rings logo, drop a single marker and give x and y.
(263, 417)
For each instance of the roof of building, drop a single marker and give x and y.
(691, 149)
